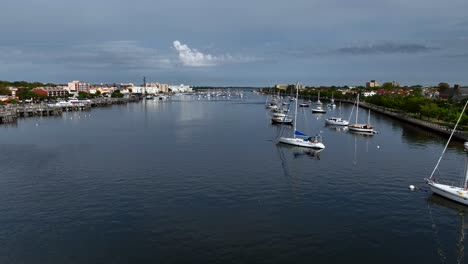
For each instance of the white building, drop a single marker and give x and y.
(143, 90)
(180, 88)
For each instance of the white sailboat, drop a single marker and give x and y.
(318, 99)
(332, 102)
(300, 139)
(455, 193)
(281, 117)
(337, 121)
(318, 108)
(361, 128)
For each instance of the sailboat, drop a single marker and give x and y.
(332, 102)
(361, 128)
(318, 108)
(301, 139)
(455, 193)
(280, 116)
(337, 121)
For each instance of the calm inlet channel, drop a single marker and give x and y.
(192, 180)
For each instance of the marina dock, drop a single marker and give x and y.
(9, 114)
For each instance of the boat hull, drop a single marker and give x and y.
(281, 120)
(336, 122)
(361, 128)
(319, 111)
(453, 193)
(301, 143)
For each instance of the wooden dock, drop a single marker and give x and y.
(10, 113)
(8, 116)
(37, 110)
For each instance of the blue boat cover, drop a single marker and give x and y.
(297, 133)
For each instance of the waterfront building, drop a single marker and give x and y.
(457, 93)
(13, 91)
(282, 86)
(102, 88)
(145, 90)
(58, 91)
(180, 88)
(156, 87)
(372, 84)
(77, 86)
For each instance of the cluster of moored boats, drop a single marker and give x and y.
(280, 115)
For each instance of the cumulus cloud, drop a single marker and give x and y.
(194, 58)
(384, 48)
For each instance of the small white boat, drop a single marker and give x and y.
(285, 120)
(299, 139)
(318, 99)
(309, 142)
(280, 116)
(361, 128)
(332, 103)
(337, 121)
(272, 106)
(319, 109)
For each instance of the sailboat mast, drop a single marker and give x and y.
(340, 109)
(295, 112)
(357, 107)
(466, 171)
(368, 117)
(448, 141)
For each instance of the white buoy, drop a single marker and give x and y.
(378, 146)
(411, 187)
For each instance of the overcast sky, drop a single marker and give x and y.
(241, 42)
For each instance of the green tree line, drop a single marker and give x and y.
(423, 108)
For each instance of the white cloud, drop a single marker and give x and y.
(194, 58)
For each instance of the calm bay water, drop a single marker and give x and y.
(197, 181)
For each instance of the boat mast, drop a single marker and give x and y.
(357, 107)
(368, 118)
(340, 109)
(295, 112)
(448, 141)
(466, 171)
